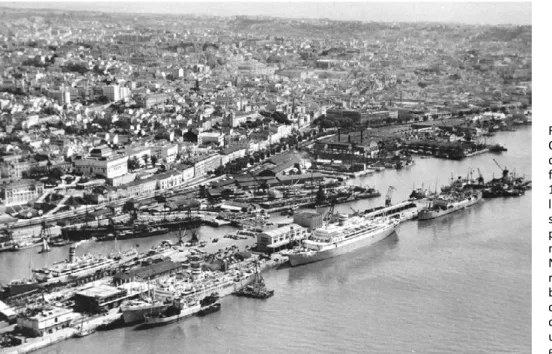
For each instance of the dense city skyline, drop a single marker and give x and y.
(479, 13)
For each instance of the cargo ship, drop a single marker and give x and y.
(185, 223)
(134, 311)
(447, 203)
(172, 314)
(84, 232)
(19, 288)
(138, 232)
(345, 235)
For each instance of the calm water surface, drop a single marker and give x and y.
(458, 284)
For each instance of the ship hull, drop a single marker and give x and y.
(348, 246)
(432, 214)
(68, 277)
(209, 309)
(136, 314)
(156, 321)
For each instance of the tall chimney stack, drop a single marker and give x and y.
(72, 252)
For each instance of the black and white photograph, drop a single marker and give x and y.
(269, 177)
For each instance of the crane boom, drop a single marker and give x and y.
(504, 170)
(256, 180)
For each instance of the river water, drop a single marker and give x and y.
(457, 284)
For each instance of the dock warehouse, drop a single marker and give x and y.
(99, 298)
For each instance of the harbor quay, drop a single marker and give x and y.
(88, 293)
(89, 307)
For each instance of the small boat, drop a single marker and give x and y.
(84, 332)
(257, 289)
(215, 240)
(60, 242)
(8, 246)
(209, 304)
(22, 245)
(497, 148)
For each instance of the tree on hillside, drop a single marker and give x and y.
(146, 159)
(133, 163)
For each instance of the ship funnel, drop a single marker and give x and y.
(72, 252)
(342, 219)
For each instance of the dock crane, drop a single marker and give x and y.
(389, 195)
(480, 179)
(504, 170)
(259, 184)
(355, 212)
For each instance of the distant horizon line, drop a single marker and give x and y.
(125, 11)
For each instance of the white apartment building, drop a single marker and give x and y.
(113, 92)
(207, 138)
(108, 167)
(116, 93)
(101, 161)
(167, 153)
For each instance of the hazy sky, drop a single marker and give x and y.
(518, 13)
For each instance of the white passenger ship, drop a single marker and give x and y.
(346, 235)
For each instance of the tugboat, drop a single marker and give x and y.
(84, 332)
(209, 304)
(257, 289)
(497, 148)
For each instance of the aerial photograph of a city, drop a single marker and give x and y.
(265, 177)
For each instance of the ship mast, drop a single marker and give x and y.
(30, 265)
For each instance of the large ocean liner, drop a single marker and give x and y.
(346, 235)
(78, 267)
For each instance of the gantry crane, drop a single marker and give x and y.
(389, 195)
